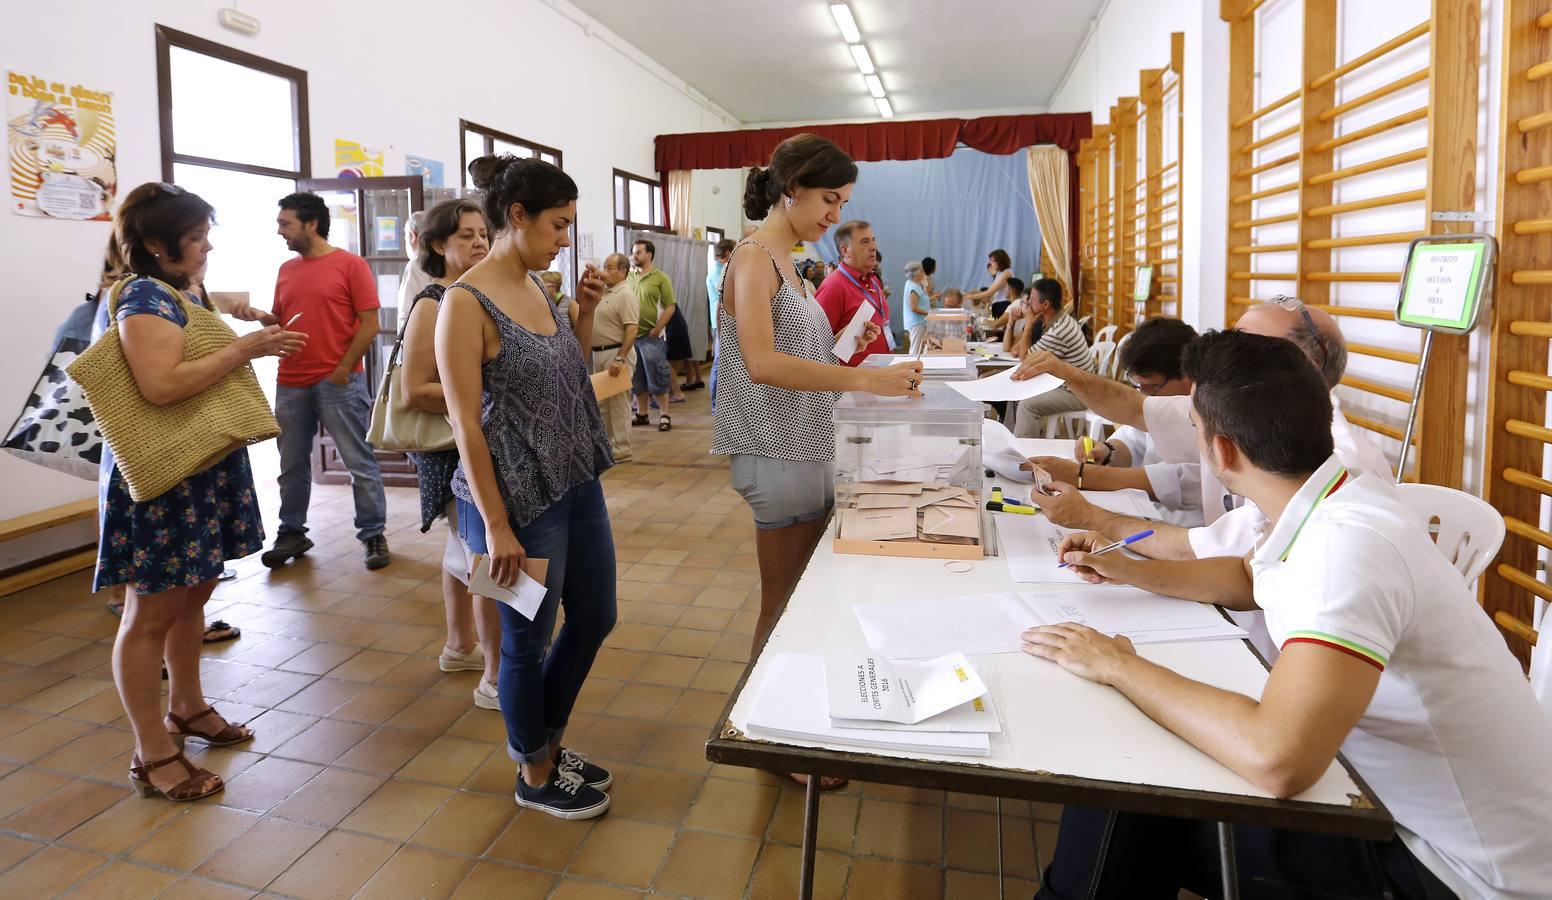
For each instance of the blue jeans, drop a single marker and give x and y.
(344, 413)
(538, 689)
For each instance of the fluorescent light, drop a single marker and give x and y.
(844, 21)
(884, 109)
(875, 87)
(859, 52)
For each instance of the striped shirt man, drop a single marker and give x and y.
(1063, 338)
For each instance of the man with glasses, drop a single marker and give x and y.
(1150, 357)
(1230, 521)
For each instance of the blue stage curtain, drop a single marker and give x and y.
(956, 210)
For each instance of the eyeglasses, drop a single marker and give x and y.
(1151, 390)
(171, 190)
(1294, 304)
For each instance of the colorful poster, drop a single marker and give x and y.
(353, 160)
(387, 234)
(64, 148)
(429, 169)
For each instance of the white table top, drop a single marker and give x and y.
(1052, 721)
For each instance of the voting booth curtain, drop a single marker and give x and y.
(956, 210)
(685, 262)
(891, 140)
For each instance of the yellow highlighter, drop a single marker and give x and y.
(1088, 448)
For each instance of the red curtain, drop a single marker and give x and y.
(885, 140)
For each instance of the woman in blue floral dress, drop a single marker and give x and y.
(169, 550)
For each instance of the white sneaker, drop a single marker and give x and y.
(453, 661)
(485, 696)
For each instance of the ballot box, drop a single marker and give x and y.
(908, 475)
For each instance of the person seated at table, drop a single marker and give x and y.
(1385, 657)
(1230, 520)
(1129, 459)
(952, 298)
(1011, 320)
(1061, 337)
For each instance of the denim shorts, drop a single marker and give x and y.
(783, 492)
(652, 375)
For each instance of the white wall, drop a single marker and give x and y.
(393, 76)
(1127, 37)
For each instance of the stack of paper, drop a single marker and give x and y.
(863, 687)
(992, 623)
(792, 705)
(892, 511)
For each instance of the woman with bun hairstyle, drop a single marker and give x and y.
(532, 445)
(169, 550)
(777, 380)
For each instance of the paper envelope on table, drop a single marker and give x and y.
(606, 386)
(878, 524)
(951, 521)
(885, 501)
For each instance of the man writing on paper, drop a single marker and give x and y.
(1385, 658)
(1229, 526)
(1130, 458)
(854, 281)
(614, 348)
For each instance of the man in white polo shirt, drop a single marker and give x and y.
(1227, 531)
(1385, 657)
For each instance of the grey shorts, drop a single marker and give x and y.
(652, 375)
(781, 492)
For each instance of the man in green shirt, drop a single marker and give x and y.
(653, 377)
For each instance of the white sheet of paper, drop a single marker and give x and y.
(913, 629)
(791, 706)
(526, 596)
(861, 684)
(1029, 545)
(929, 363)
(1144, 617)
(1002, 387)
(846, 345)
(999, 453)
(978, 716)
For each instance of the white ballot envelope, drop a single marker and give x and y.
(526, 596)
(846, 345)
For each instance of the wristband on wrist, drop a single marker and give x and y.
(1080, 473)
(1110, 448)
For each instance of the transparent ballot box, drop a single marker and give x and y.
(948, 331)
(908, 475)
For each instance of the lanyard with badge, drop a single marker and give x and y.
(881, 306)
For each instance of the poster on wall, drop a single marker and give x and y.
(428, 169)
(64, 148)
(354, 160)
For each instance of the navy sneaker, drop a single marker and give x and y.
(564, 796)
(592, 774)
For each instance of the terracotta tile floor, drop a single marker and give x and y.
(373, 774)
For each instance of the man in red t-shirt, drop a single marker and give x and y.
(853, 281)
(331, 295)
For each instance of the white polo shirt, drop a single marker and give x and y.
(1453, 741)
(1177, 486)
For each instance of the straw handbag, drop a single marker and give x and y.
(398, 427)
(157, 447)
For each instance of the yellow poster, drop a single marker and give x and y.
(64, 148)
(353, 160)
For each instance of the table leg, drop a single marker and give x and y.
(1226, 861)
(1000, 881)
(810, 836)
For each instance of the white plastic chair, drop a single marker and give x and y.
(1115, 358)
(1467, 530)
(1106, 335)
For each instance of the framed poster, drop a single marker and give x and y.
(63, 148)
(1444, 284)
(1142, 285)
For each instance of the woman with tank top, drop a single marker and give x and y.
(532, 445)
(777, 380)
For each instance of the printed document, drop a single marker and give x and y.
(864, 685)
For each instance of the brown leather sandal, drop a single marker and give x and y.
(228, 735)
(201, 783)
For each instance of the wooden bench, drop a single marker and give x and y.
(42, 520)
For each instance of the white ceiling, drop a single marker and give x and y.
(769, 61)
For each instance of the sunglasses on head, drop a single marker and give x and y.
(1294, 304)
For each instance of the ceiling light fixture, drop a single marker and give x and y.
(859, 52)
(845, 22)
(875, 87)
(884, 109)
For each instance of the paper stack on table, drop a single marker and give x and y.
(792, 705)
(992, 623)
(893, 511)
(864, 687)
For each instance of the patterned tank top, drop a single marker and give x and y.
(769, 421)
(539, 416)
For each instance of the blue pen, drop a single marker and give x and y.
(1118, 544)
